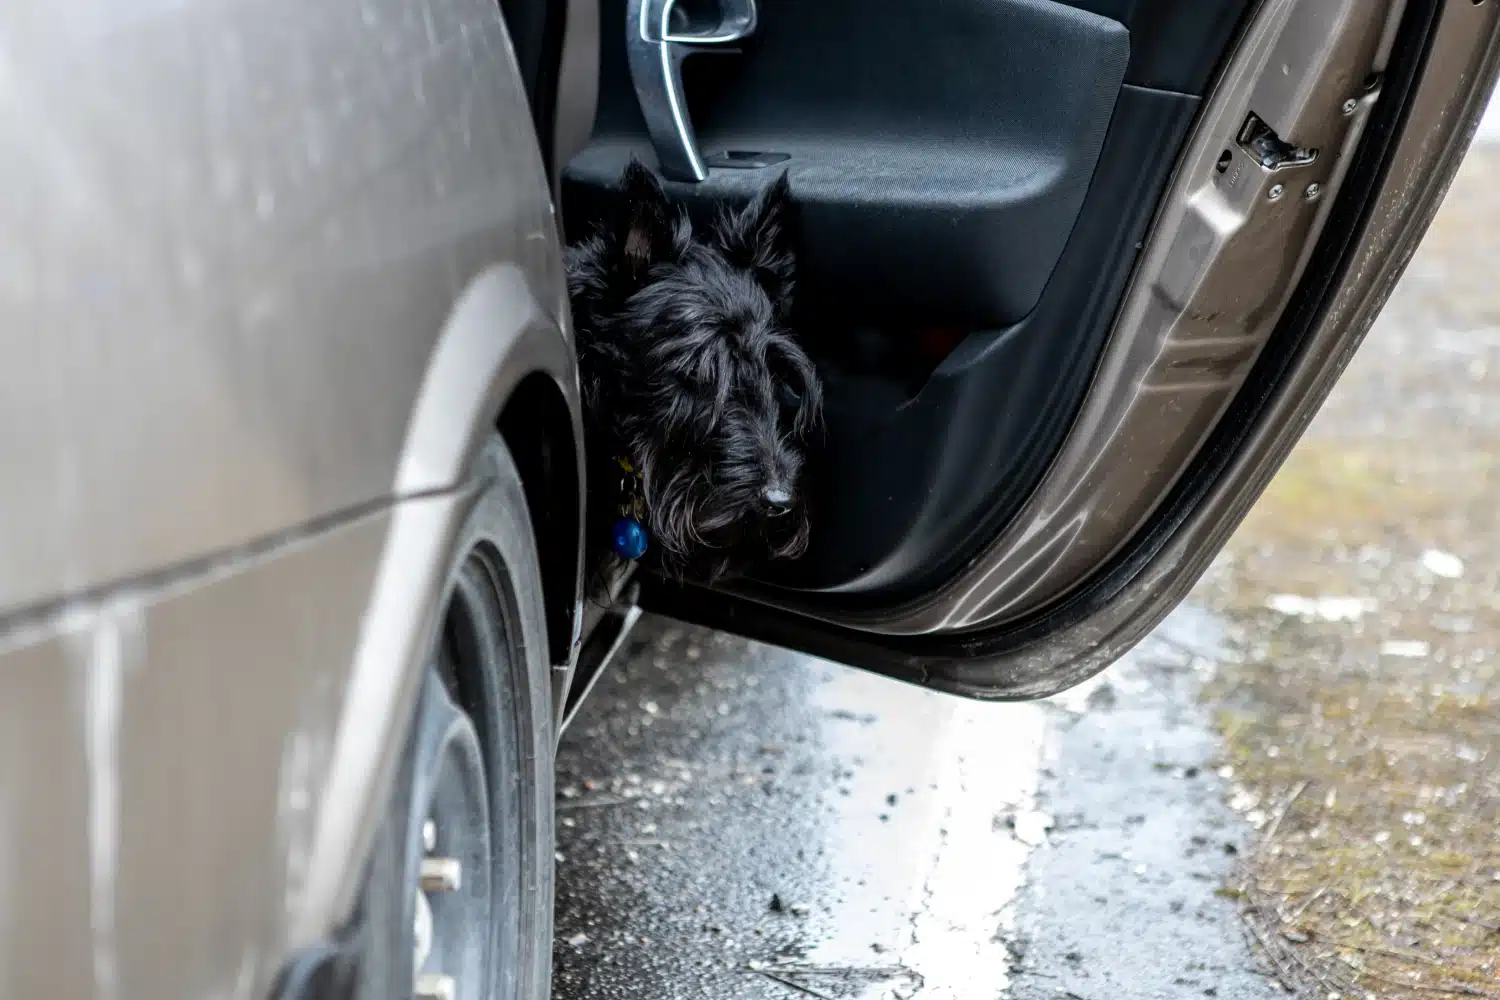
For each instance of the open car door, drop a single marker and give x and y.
(1076, 274)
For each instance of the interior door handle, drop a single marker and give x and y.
(660, 34)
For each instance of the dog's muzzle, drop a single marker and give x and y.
(778, 500)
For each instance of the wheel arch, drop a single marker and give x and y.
(541, 431)
(504, 362)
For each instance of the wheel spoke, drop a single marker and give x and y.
(453, 890)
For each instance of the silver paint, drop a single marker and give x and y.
(146, 786)
(236, 231)
(270, 270)
(117, 636)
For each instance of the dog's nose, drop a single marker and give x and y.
(778, 500)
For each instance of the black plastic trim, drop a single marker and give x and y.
(537, 426)
(952, 466)
(538, 29)
(1175, 44)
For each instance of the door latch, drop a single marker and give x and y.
(1268, 149)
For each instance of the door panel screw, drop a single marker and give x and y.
(1314, 192)
(1277, 190)
(1350, 106)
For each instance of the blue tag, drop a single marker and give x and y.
(629, 539)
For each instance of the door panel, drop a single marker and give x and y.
(1232, 245)
(887, 154)
(950, 417)
(998, 136)
(953, 457)
(1174, 44)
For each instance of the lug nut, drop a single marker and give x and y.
(432, 986)
(440, 874)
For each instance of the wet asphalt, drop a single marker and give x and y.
(737, 821)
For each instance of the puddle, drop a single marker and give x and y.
(951, 786)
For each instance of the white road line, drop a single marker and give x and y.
(927, 891)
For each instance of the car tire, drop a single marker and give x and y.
(459, 896)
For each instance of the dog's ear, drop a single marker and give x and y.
(759, 238)
(647, 230)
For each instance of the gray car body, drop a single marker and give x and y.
(271, 270)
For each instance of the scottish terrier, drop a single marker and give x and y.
(698, 404)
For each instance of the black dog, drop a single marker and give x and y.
(697, 401)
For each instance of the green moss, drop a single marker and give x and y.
(1383, 875)
(1376, 778)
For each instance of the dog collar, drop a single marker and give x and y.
(628, 536)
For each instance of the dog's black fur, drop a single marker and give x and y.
(690, 375)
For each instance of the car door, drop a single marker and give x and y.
(1076, 273)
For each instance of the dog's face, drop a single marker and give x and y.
(706, 391)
